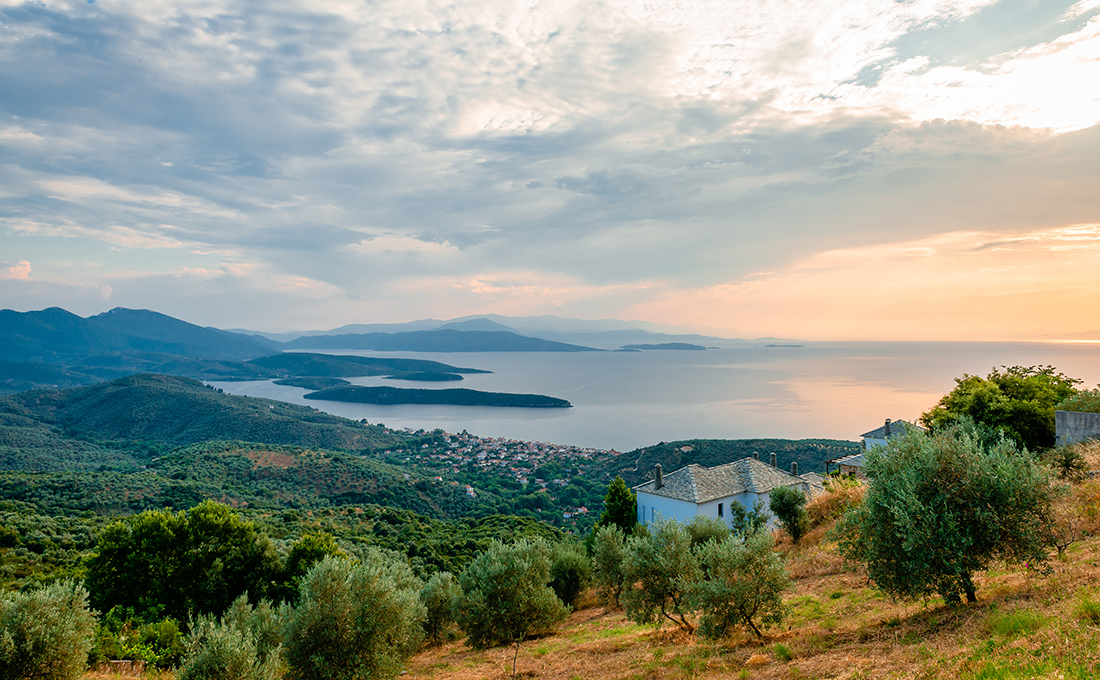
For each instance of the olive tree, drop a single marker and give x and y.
(354, 620)
(439, 596)
(941, 507)
(244, 644)
(506, 595)
(45, 634)
(658, 569)
(743, 583)
(608, 554)
(788, 504)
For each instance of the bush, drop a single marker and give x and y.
(608, 553)
(439, 597)
(121, 635)
(1068, 462)
(789, 507)
(743, 583)
(658, 569)
(506, 594)
(243, 645)
(702, 529)
(570, 572)
(45, 634)
(354, 620)
(744, 522)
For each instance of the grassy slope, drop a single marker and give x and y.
(179, 411)
(1024, 625)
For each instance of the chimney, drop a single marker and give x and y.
(757, 454)
(794, 469)
(658, 482)
(773, 460)
(887, 428)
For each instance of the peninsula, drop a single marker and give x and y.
(453, 397)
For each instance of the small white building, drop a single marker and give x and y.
(891, 429)
(696, 490)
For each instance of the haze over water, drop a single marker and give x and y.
(625, 400)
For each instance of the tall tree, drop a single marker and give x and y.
(178, 564)
(1017, 400)
(941, 507)
(620, 506)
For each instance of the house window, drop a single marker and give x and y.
(641, 511)
(719, 509)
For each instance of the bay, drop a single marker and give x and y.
(625, 400)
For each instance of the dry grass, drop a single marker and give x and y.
(1024, 625)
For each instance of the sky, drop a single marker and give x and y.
(818, 169)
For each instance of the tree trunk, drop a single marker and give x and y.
(969, 589)
(514, 658)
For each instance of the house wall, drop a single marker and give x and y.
(652, 505)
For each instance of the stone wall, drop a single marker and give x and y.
(1071, 427)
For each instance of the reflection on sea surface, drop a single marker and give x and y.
(624, 400)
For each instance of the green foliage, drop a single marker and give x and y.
(506, 594)
(439, 596)
(743, 583)
(1068, 462)
(702, 529)
(241, 645)
(570, 571)
(178, 564)
(747, 522)
(45, 634)
(783, 652)
(120, 635)
(659, 568)
(307, 551)
(355, 620)
(788, 504)
(620, 506)
(939, 508)
(1083, 401)
(1089, 611)
(1019, 401)
(608, 555)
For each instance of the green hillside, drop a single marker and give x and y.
(636, 466)
(176, 411)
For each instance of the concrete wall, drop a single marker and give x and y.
(1071, 427)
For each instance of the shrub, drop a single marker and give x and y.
(1089, 611)
(1068, 462)
(354, 620)
(743, 582)
(744, 522)
(570, 572)
(45, 634)
(439, 597)
(789, 507)
(702, 529)
(608, 553)
(243, 645)
(658, 568)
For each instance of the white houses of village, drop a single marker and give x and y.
(696, 490)
(853, 464)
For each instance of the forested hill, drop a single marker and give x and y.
(441, 340)
(176, 411)
(636, 466)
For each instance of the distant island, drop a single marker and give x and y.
(664, 345)
(312, 383)
(453, 397)
(426, 376)
(783, 345)
(441, 340)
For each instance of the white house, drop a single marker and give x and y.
(696, 490)
(853, 464)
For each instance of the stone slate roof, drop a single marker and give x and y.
(697, 484)
(855, 460)
(897, 429)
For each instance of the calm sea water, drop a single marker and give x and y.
(624, 400)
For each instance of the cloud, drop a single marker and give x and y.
(15, 270)
(604, 151)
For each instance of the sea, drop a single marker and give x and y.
(626, 400)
